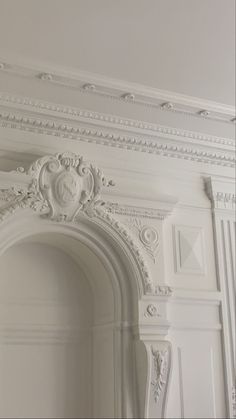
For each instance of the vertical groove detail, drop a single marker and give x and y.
(181, 384)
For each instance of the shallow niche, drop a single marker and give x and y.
(60, 347)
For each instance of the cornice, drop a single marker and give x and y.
(81, 125)
(31, 105)
(94, 84)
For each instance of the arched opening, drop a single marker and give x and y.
(66, 324)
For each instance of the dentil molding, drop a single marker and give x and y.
(46, 108)
(93, 127)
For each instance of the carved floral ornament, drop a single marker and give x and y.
(152, 311)
(160, 361)
(63, 186)
(148, 236)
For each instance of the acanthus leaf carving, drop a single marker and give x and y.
(220, 199)
(223, 200)
(14, 199)
(20, 198)
(124, 233)
(8, 195)
(160, 368)
(61, 186)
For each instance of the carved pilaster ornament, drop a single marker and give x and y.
(160, 367)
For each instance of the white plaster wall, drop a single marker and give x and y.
(45, 334)
(193, 257)
(197, 387)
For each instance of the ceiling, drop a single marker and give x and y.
(184, 46)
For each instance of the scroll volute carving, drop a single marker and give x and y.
(67, 185)
(153, 369)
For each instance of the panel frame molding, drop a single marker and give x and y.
(177, 250)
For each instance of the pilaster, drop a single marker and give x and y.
(221, 192)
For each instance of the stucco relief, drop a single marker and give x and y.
(68, 185)
(63, 186)
(151, 311)
(159, 368)
(147, 235)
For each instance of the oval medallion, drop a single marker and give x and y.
(66, 188)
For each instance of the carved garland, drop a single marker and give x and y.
(64, 186)
(61, 186)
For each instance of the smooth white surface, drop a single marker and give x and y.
(185, 46)
(45, 328)
(45, 313)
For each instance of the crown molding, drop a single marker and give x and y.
(31, 105)
(95, 84)
(45, 118)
